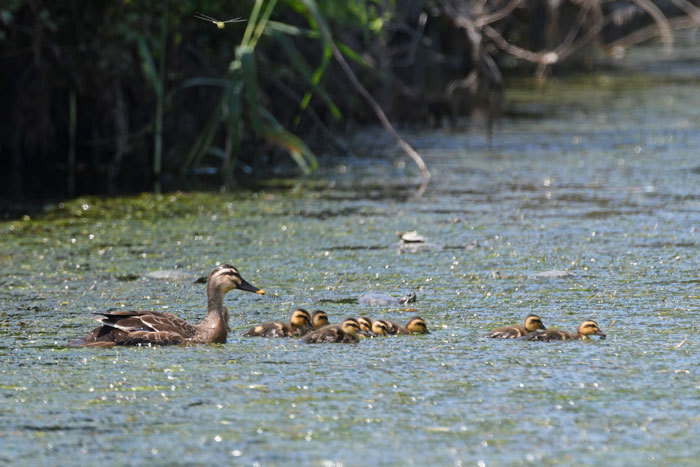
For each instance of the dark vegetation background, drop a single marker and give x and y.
(118, 96)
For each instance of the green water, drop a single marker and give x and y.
(601, 180)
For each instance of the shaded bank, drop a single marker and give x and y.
(124, 96)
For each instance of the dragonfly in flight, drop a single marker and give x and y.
(219, 24)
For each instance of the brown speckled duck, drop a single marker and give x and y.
(299, 324)
(415, 325)
(531, 324)
(587, 328)
(319, 318)
(342, 333)
(158, 328)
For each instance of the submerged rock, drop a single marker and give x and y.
(418, 247)
(171, 275)
(375, 299)
(554, 274)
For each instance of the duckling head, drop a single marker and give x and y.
(225, 278)
(351, 326)
(533, 323)
(365, 323)
(300, 318)
(319, 318)
(590, 328)
(380, 328)
(417, 325)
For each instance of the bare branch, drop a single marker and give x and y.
(497, 15)
(661, 21)
(649, 32)
(408, 149)
(689, 8)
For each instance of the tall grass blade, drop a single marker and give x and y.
(245, 56)
(274, 133)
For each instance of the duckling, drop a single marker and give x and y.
(159, 328)
(587, 328)
(345, 333)
(380, 328)
(299, 324)
(365, 323)
(319, 318)
(531, 324)
(415, 325)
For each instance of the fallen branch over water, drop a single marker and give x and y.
(407, 148)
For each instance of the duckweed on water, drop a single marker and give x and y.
(605, 193)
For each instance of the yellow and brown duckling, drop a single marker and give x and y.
(319, 319)
(343, 333)
(299, 324)
(586, 329)
(380, 328)
(415, 325)
(365, 323)
(158, 328)
(531, 324)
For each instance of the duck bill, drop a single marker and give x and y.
(248, 287)
(601, 334)
(365, 333)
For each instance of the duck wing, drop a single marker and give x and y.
(147, 321)
(549, 335)
(272, 329)
(138, 328)
(507, 332)
(326, 334)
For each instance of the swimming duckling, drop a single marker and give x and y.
(159, 328)
(365, 323)
(587, 328)
(380, 328)
(299, 324)
(319, 318)
(345, 333)
(531, 324)
(415, 325)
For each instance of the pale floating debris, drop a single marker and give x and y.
(554, 274)
(411, 237)
(438, 429)
(678, 346)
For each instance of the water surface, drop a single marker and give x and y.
(602, 181)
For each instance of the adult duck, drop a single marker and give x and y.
(531, 324)
(586, 329)
(299, 324)
(158, 328)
